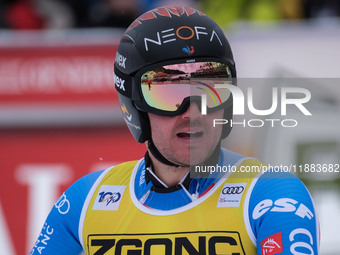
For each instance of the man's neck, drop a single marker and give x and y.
(170, 175)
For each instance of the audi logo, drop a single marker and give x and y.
(232, 190)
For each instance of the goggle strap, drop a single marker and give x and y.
(122, 82)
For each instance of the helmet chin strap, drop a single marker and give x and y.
(212, 160)
(155, 152)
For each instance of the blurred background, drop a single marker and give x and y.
(60, 119)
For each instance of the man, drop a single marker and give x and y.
(167, 66)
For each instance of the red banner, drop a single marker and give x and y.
(69, 73)
(42, 87)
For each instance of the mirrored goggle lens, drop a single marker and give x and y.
(166, 87)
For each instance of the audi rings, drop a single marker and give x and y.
(232, 190)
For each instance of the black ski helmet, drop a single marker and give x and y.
(171, 33)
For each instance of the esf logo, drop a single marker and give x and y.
(181, 33)
(109, 197)
(178, 243)
(284, 205)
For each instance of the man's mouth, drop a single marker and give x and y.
(188, 135)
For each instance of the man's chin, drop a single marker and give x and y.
(193, 160)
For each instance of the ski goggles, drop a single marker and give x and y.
(169, 89)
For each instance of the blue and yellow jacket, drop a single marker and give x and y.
(125, 209)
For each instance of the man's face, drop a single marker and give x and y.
(186, 139)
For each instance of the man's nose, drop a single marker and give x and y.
(193, 111)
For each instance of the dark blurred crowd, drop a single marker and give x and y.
(60, 14)
(41, 14)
